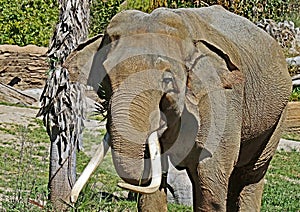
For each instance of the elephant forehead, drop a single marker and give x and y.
(161, 20)
(144, 44)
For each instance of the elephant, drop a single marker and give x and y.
(202, 87)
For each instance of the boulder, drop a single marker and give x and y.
(15, 96)
(182, 186)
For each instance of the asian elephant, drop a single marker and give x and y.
(203, 87)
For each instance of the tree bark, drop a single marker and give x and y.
(63, 102)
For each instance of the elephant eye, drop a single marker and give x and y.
(168, 82)
(168, 77)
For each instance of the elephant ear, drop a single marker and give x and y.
(217, 65)
(85, 62)
(247, 46)
(243, 47)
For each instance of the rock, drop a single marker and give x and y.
(182, 186)
(12, 95)
(293, 61)
(29, 49)
(34, 92)
(296, 82)
(288, 146)
(296, 78)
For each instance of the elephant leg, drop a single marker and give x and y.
(250, 197)
(217, 157)
(197, 194)
(245, 195)
(246, 182)
(153, 202)
(211, 185)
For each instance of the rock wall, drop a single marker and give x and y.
(288, 37)
(292, 122)
(28, 63)
(286, 34)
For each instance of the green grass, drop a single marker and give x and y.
(17, 105)
(291, 136)
(7, 130)
(282, 190)
(24, 165)
(295, 96)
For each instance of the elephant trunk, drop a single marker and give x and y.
(134, 118)
(156, 169)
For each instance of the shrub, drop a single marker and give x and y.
(295, 96)
(25, 22)
(254, 10)
(102, 12)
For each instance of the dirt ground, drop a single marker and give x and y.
(24, 116)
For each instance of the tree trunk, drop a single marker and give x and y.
(63, 102)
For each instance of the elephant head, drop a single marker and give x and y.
(143, 71)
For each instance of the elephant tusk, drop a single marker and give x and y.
(154, 149)
(90, 168)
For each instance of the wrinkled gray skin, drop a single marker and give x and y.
(212, 85)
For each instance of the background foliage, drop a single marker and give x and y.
(102, 12)
(254, 10)
(25, 22)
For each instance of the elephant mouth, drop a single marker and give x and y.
(156, 168)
